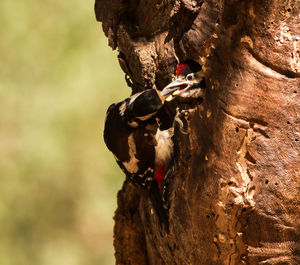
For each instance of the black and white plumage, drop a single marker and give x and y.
(132, 134)
(189, 83)
(139, 130)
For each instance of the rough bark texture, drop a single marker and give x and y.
(235, 184)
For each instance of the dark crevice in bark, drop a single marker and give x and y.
(251, 121)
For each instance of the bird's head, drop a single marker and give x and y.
(188, 84)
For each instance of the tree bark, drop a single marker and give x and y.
(235, 183)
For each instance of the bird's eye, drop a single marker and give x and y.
(190, 77)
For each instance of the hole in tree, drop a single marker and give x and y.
(237, 129)
(207, 216)
(288, 122)
(295, 92)
(236, 85)
(267, 181)
(276, 183)
(288, 10)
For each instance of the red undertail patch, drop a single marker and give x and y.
(159, 175)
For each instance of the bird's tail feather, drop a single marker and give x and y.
(159, 205)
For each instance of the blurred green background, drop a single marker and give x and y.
(58, 181)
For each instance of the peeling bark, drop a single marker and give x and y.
(235, 184)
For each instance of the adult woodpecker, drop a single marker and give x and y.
(139, 130)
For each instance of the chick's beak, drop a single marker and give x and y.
(174, 88)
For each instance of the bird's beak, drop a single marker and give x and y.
(174, 88)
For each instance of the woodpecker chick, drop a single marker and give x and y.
(188, 84)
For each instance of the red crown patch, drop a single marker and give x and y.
(181, 68)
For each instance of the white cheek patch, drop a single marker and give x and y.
(193, 93)
(132, 164)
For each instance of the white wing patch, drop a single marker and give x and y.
(132, 164)
(193, 93)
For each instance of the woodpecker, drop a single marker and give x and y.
(132, 134)
(189, 83)
(139, 130)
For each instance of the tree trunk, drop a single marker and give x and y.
(235, 183)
